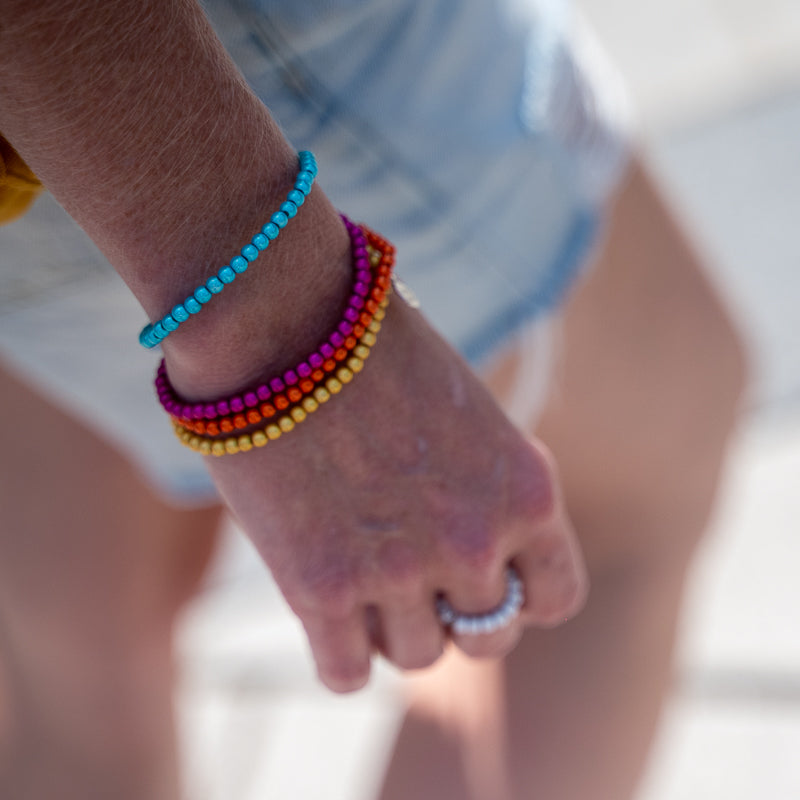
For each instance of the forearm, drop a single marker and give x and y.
(137, 121)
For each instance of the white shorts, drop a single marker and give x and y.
(482, 137)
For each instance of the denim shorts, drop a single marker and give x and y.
(482, 136)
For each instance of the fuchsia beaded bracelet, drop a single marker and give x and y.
(343, 352)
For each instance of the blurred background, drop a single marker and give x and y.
(717, 88)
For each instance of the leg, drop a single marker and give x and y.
(93, 569)
(645, 398)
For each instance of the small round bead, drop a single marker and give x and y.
(194, 442)
(202, 295)
(333, 386)
(280, 219)
(226, 275)
(259, 438)
(223, 408)
(305, 175)
(351, 315)
(298, 414)
(360, 288)
(240, 421)
(321, 394)
(191, 305)
(379, 314)
(326, 350)
(336, 339)
(212, 429)
(170, 323)
(303, 369)
(355, 364)
(303, 186)
(290, 376)
(356, 302)
(280, 402)
(245, 443)
(205, 447)
(360, 351)
(306, 386)
(180, 313)
(253, 416)
(368, 339)
(298, 198)
(277, 385)
(267, 410)
(250, 252)
(231, 446)
(159, 331)
(340, 354)
(289, 208)
(226, 425)
(271, 230)
(345, 328)
(294, 394)
(316, 360)
(217, 449)
(251, 399)
(214, 285)
(239, 264)
(344, 375)
(286, 424)
(263, 392)
(310, 404)
(273, 431)
(260, 241)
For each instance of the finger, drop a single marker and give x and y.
(474, 596)
(341, 649)
(554, 575)
(412, 636)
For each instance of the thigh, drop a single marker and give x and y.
(646, 386)
(89, 555)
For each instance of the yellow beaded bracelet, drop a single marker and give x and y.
(295, 414)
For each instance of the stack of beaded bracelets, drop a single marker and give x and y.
(155, 333)
(300, 391)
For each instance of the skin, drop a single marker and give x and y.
(639, 455)
(475, 729)
(172, 181)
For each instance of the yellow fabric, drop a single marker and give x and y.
(18, 185)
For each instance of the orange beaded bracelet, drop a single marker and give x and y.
(351, 347)
(309, 389)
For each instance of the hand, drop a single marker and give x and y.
(409, 483)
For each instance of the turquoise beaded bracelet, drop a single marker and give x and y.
(153, 334)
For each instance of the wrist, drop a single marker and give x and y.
(271, 315)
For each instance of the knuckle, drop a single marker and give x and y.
(472, 544)
(533, 490)
(331, 589)
(398, 564)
